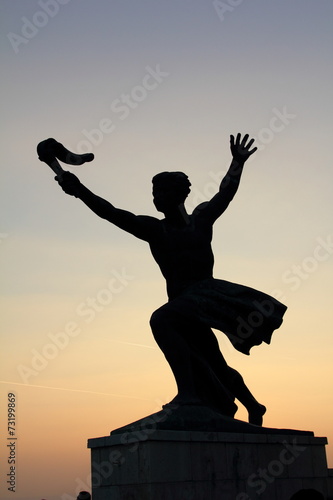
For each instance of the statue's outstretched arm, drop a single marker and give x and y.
(140, 226)
(50, 151)
(241, 151)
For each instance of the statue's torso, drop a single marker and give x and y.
(184, 254)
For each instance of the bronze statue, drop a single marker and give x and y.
(181, 245)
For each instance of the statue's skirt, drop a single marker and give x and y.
(246, 316)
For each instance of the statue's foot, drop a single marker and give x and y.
(52, 148)
(256, 414)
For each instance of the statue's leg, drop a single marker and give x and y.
(196, 381)
(203, 339)
(166, 330)
(237, 385)
(210, 387)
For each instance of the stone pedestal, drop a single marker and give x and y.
(142, 462)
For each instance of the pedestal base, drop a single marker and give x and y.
(140, 462)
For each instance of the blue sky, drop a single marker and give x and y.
(186, 77)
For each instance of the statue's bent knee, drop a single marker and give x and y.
(158, 318)
(164, 321)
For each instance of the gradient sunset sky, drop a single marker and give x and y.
(149, 86)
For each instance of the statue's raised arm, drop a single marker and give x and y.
(241, 151)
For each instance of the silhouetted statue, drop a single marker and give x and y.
(181, 245)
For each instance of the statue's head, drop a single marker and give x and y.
(170, 189)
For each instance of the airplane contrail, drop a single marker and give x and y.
(73, 390)
(132, 343)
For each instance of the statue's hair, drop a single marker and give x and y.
(177, 180)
